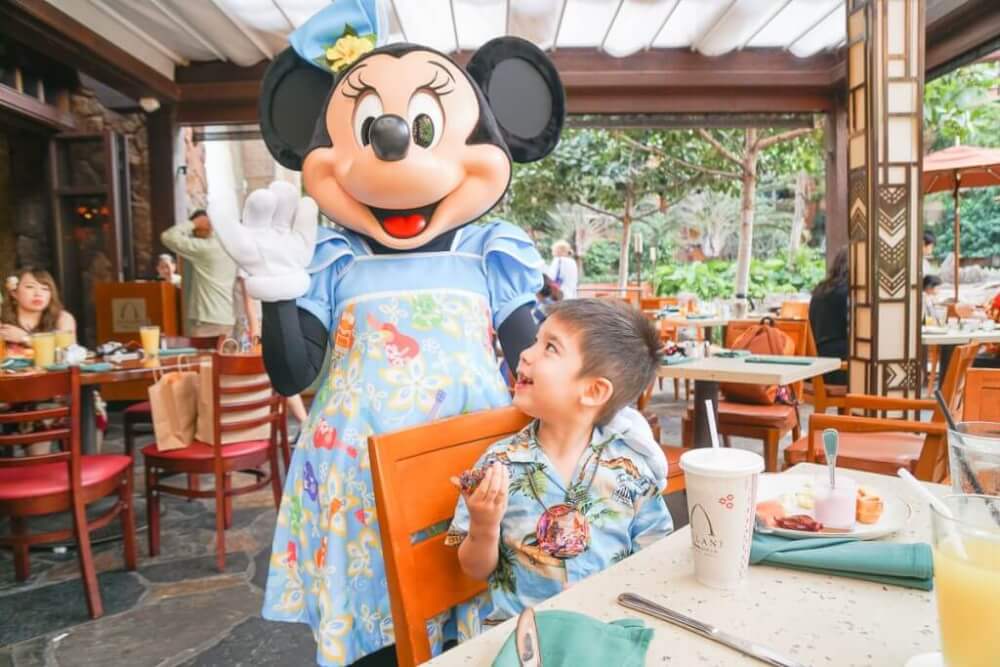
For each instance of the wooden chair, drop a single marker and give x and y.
(675, 476)
(982, 395)
(657, 302)
(411, 470)
(200, 458)
(883, 445)
(794, 310)
(817, 391)
(767, 423)
(933, 364)
(137, 418)
(64, 481)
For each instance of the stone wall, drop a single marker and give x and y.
(93, 117)
(8, 240)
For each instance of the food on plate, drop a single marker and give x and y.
(799, 522)
(869, 506)
(805, 498)
(769, 511)
(470, 480)
(836, 506)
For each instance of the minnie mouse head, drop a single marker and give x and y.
(402, 144)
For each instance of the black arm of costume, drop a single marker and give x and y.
(517, 333)
(294, 343)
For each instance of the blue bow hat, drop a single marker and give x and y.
(336, 36)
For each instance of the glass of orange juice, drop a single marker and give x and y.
(967, 579)
(150, 336)
(44, 347)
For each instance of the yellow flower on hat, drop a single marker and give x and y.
(346, 50)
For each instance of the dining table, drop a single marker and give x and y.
(813, 618)
(709, 372)
(947, 339)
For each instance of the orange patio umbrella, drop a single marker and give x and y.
(956, 168)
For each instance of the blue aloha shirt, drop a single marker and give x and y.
(623, 506)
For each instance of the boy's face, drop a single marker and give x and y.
(549, 385)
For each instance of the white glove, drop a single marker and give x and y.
(274, 245)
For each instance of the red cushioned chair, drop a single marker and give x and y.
(63, 481)
(200, 458)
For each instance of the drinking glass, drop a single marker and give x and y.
(150, 336)
(974, 458)
(64, 339)
(44, 346)
(967, 580)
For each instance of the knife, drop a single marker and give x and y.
(752, 649)
(529, 653)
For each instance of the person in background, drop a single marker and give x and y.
(166, 270)
(929, 241)
(563, 269)
(210, 301)
(931, 284)
(828, 314)
(33, 307)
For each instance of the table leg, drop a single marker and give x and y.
(704, 390)
(88, 427)
(943, 361)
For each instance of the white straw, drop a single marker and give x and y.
(937, 504)
(710, 417)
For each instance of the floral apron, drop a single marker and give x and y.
(421, 349)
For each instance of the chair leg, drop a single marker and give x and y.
(796, 432)
(128, 519)
(90, 586)
(152, 511)
(677, 389)
(129, 436)
(22, 562)
(227, 487)
(771, 451)
(275, 478)
(194, 484)
(220, 521)
(286, 450)
(726, 441)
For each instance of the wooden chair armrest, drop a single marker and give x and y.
(852, 424)
(869, 402)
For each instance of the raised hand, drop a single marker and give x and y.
(274, 244)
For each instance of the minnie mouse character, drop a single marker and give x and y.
(403, 149)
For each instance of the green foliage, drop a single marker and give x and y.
(713, 279)
(959, 107)
(980, 221)
(601, 259)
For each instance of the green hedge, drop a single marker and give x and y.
(714, 278)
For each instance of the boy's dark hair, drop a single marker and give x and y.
(929, 238)
(931, 282)
(617, 342)
(196, 214)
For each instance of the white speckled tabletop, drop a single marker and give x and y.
(815, 619)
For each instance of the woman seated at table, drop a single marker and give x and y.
(828, 313)
(33, 307)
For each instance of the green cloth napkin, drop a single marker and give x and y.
(675, 359)
(57, 367)
(790, 361)
(731, 354)
(700, 317)
(14, 364)
(99, 367)
(176, 351)
(574, 640)
(907, 565)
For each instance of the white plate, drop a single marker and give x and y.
(894, 516)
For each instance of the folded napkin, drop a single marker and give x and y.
(675, 359)
(574, 640)
(789, 361)
(177, 351)
(907, 565)
(14, 363)
(700, 317)
(98, 367)
(57, 367)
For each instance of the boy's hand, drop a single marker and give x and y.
(488, 503)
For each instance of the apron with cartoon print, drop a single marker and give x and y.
(411, 342)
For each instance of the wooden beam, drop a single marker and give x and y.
(42, 114)
(963, 35)
(160, 129)
(44, 28)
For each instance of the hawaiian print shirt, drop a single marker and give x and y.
(612, 487)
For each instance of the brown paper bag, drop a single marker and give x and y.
(173, 402)
(206, 407)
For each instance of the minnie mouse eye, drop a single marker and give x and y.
(368, 109)
(426, 119)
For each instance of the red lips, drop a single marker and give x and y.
(404, 226)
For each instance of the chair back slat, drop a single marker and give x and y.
(412, 470)
(933, 461)
(243, 375)
(245, 406)
(982, 395)
(244, 424)
(18, 393)
(244, 388)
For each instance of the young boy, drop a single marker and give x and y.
(579, 488)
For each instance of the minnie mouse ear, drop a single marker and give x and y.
(523, 89)
(293, 95)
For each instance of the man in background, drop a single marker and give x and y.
(210, 295)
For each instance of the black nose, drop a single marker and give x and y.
(390, 137)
